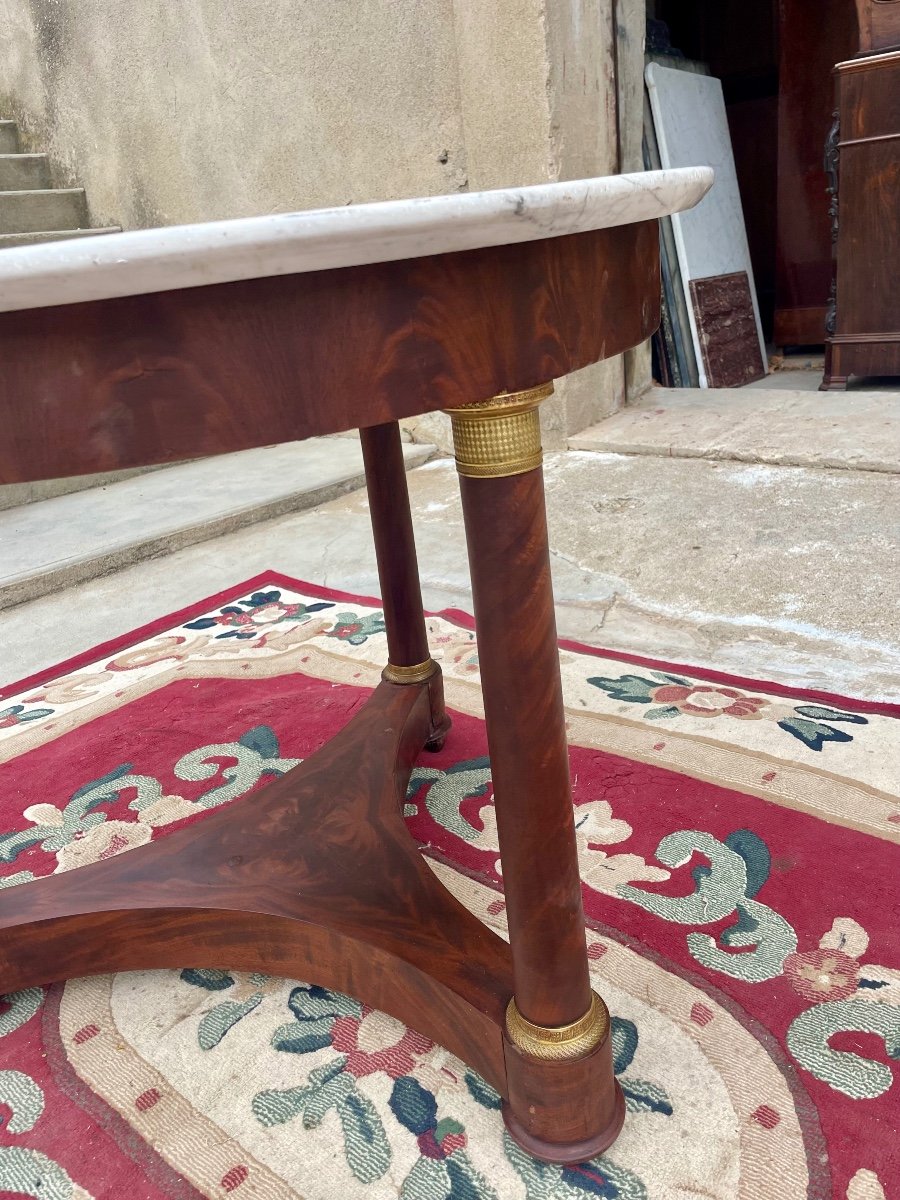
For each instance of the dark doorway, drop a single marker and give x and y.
(775, 58)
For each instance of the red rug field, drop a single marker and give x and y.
(739, 856)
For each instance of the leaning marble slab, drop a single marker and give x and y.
(692, 127)
(185, 256)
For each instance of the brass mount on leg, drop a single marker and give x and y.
(563, 1041)
(417, 673)
(501, 436)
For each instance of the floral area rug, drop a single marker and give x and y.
(738, 846)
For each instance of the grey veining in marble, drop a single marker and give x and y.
(156, 260)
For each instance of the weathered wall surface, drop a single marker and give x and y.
(195, 110)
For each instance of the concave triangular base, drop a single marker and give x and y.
(315, 877)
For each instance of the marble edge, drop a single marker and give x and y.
(184, 256)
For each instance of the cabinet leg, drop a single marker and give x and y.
(409, 659)
(834, 383)
(563, 1102)
(832, 379)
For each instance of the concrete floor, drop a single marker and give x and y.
(786, 573)
(799, 427)
(808, 377)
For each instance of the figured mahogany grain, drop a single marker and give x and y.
(315, 878)
(564, 1110)
(175, 375)
(506, 531)
(395, 544)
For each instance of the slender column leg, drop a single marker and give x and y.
(409, 659)
(563, 1102)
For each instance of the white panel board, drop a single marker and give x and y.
(692, 130)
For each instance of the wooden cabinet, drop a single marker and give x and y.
(814, 35)
(879, 25)
(864, 323)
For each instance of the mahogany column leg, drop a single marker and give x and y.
(563, 1103)
(409, 659)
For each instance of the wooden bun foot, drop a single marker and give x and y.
(566, 1154)
(567, 1109)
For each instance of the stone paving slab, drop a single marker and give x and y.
(55, 543)
(772, 572)
(856, 430)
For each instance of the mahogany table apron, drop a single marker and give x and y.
(319, 878)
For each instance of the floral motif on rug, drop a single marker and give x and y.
(738, 845)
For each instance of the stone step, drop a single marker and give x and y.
(59, 542)
(14, 495)
(21, 172)
(38, 210)
(9, 137)
(855, 430)
(52, 235)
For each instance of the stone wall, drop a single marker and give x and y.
(193, 110)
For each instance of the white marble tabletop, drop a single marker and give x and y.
(184, 256)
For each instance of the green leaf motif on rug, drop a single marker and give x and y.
(256, 755)
(678, 697)
(854, 1076)
(718, 887)
(9, 881)
(640, 1094)
(216, 1023)
(643, 1096)
(24, 1099)
(452, 1179)
(486, 1096)
(737, 870)
(632, 688)
(327, 1087)
(205, 977)
(293, 1039)
(624, 1036)
(16, 714)
(446, 792)
(770, 938)
(30, 1173)
(355, 629)
(755, 853)
(262, 740)
(22, 1007)
(247, 619)
(331, 1087)
(365, 1141)
(443, 1170)
(812, 733)
(225, 1015)
(598, 1178)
